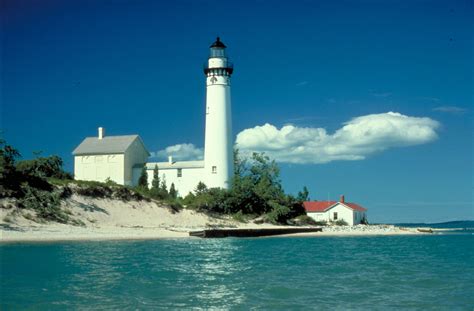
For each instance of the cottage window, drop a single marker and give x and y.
(214, 170)
(335, 216)
(180, 172)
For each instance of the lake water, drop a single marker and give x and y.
(382, 273)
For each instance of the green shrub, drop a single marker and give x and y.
(303, 220)
(341, 222)
(95, 191)
(44, 167)
(110, 182)
(126, 194)
(174, 205)
(239, 216)
(46, 204)
(65, 192)
(10, 179)
(278, 214)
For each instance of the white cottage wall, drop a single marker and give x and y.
(343, 212)
(318, 216)
(99, 167)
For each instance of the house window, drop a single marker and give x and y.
(180, 172)
(335, 216)
(214, 170)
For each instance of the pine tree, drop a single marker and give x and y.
(143, 180)
(163, 188)
(200, 188)
(173, 192)
(155, 184)
(303, 195)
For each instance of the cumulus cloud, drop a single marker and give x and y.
(181, 152)
(357, 139)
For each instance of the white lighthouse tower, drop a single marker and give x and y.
(218, 145)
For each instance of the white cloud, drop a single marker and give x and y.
(182, 152)
(357, 139)
(450, 109)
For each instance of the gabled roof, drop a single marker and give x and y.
(322, 206)
(106, 145)
(175, 165)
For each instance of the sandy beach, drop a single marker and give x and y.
(106, 219)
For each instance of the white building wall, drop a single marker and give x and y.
(342, 211)
(188, 181)
(99, 167)
(134, 156)
(318, 216)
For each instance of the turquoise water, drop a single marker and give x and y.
(381, 273)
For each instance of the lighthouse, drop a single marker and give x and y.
(105, 157)
(218, 145)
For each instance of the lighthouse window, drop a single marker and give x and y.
(214, 170)
(180, 172)
(217, 52)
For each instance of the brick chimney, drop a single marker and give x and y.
(342, 200)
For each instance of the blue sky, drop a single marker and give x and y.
(332, 67)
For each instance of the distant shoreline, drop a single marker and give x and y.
(68, 233)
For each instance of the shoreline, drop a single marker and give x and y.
(68, 233)
(113, 220)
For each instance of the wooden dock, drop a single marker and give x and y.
(245, 233)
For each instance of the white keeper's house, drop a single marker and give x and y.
(121, 158)
(351, 213)
(109, 157)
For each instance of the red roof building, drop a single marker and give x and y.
(351, 213)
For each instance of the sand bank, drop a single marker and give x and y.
(106, 219)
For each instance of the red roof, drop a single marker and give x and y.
(322, 206)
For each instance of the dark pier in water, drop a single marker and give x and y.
(245, 233)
